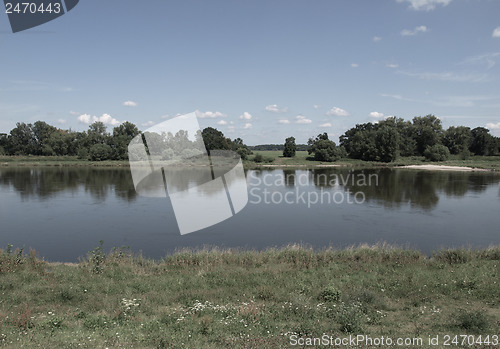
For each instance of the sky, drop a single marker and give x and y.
(258, 70)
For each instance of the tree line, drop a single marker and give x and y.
(384, 141)
(98, 144)
(389, 139)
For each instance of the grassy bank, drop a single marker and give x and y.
(56, 161)
(302, 159)
(223, 299)
(275, 158)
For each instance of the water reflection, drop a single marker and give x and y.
(389, 187)
(44, 183)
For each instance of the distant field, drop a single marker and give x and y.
(276, 157)
(222, 299)
(485, 162)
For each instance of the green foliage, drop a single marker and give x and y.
(223, 298)
(323, 148)
(437, 152)
(330, 294)
(350, 317)
(457, 139)
(100, 152)
(214, 139)
(96, 259)
(473, 321)
(289, 148)
(428, 131)
(122, 136)
(387, 144)
(259, 158)
(83, 153)
(482, 142)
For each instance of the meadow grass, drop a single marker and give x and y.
(303, 159)
(245, 299)
(275, 159)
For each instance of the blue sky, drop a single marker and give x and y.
(259, 70)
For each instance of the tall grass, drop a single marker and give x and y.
(245, 299)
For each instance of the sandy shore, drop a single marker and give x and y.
(442, 168)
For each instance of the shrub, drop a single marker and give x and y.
(260, 158)
(83, 153)
(330, 294)
(100, 152)
(474, 321)
(350, 317)
(437, 152)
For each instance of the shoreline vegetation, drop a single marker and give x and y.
(240, 299)
(276, 160)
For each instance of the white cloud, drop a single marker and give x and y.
(209, 114)
(247, 126)
(284, 121)
(74, 113)
(376, 38)
(275, 109)
(222, 122)
(105, 119)
(376, 115)
(301, 119)
(426, 5)
(148, 123)
(61, 121)
(108, 120)
(447, 76)
(326, 124)
(354, 65)
(488, 59)
(246, 116)
(335, 111)
(419, 29)
(85, 119)
(496, 33)
(316, 106)
(493, 126)
(391, 65)
(130, 104)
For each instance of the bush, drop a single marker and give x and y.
(474, 321)
(100, 152)
(330, 294)
(82, 153)
(260, 158)
(437, 152)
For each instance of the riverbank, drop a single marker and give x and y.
(227, 299)
(301, 160)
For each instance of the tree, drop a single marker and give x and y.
(457, 139)
(97, 133)
(324, 149)
(21, 140)
(214, 139)
(428, 131)
(290, 147)
(41, 134)
(100, 152)
(405, 129)
(122, 136)
(482, 142)
(387, 143)
(437, 152)
(242, 149)
(347, 138)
